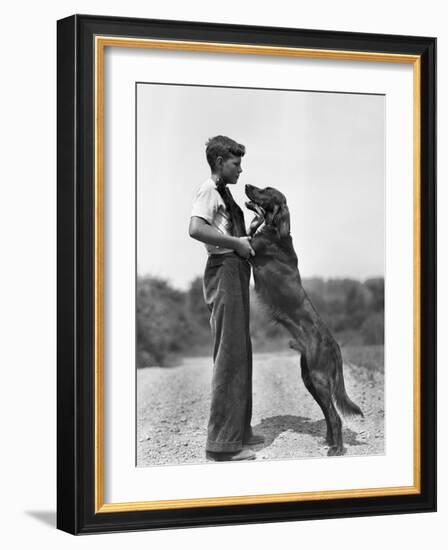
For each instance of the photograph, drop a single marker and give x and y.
(260, 274)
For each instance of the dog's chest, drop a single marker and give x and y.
(276, 276)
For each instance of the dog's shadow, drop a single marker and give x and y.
(273, 426)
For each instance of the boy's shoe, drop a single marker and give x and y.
(244, 454)
(255, 439)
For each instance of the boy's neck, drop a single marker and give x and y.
(216, 178)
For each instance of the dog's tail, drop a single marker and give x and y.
(343, 401)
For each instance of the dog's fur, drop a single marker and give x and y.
(278, 284)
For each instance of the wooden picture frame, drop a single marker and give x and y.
(82, 41)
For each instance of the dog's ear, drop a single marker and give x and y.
(271, 216)
(281, 220)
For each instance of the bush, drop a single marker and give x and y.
(162, 323)
(372, 329)
(173, 323)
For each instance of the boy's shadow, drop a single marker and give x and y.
(273, 426)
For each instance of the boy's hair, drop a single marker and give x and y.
(222, 146)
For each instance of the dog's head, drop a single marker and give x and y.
(273, 206)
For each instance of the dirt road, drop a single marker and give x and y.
(173, 405)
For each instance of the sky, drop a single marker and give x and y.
(323, 151)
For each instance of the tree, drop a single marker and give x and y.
(376, 287)
(197, 308)
(163, 329)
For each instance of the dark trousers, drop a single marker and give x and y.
(226, 292)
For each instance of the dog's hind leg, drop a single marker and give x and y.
(337, 448)
(319, 387)
(310, 387)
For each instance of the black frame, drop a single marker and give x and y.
(75, 296)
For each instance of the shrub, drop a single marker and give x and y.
(372, 329)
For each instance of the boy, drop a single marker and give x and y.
(218, 222)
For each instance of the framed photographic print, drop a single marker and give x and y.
(246, 274)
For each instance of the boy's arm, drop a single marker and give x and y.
(202, 231)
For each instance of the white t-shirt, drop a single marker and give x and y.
(209, 205)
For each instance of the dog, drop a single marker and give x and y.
(279, 286)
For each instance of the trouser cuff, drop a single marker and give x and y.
(223, 446)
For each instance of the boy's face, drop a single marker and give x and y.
(230, 169)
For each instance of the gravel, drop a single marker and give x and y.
(173, 405)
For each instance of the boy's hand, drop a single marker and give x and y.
(243, 248)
